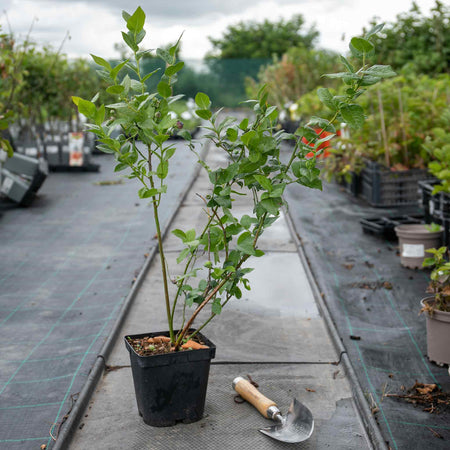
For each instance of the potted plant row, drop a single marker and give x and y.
(170, 368)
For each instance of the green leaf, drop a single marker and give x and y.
(136, 21)
(246, 137)
(150, 74)
(264, 182)
(7, 147)
(353, 115)
(247, 221)
(179, 234)
(185, 252)
(86, 108)
(326, 98)
(271, 205)
(347, 64)
(117, 89)
(376, 29)
(130, 41)
(164, 55)
(164, 90)
(232, 134)
(202, 100)
(204, 113)
(162, 170)
(190, 235)
(100, 115)
(121, 166)
(147, 193)
(380, 71)
(244, 124)
(114, 72)
(172, 70)
(101, 62)
(360, 47)
(245, 243)
(139, 37)
(216, 307)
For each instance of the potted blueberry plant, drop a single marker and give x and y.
(437, 306)
(170, 368)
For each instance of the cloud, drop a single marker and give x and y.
(95, 25)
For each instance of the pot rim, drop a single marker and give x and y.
(436, 312)
(211, 345)
(416, 230)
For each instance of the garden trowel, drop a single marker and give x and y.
(297, 426)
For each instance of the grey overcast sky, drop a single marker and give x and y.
(94, 25)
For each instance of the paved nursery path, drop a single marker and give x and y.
(275, 333)
(375, 304)
(66, 265)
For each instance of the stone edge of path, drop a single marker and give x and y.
(69, 427)
(370, 426)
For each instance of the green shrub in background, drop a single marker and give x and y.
(404, 116)
(417, 43)
(402, 113)
(298, 72)
(437, 145)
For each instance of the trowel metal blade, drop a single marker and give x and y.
(297, 426)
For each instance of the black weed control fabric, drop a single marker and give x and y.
(375, 304)
(66, 265)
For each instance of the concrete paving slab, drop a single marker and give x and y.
(226, 424)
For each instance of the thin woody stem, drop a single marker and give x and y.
(161, 253)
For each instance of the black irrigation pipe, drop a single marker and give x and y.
(362, 407)
(67, 431)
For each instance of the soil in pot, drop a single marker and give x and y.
(438, 333)
(170, 387)
(414, 240)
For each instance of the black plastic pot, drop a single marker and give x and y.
(171, 388)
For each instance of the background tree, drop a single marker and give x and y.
(263, 40)
(415, 42)
(246, 47)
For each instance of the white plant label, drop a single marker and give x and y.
(76, 149)
(431, 206)
(413, 250)
(6, 186)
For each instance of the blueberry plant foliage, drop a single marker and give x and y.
(254, 168)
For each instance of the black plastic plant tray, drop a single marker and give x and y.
(85, 168)
(385, 226)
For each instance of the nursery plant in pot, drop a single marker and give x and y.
(415, 240)
(170, 368)
(437, 307)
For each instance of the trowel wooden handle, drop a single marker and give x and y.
(248, 392)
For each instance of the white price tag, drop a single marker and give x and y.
(52, 149)
(31, 151)
(7, 184)
(413, 250)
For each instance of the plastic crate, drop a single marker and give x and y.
(384, 188)
(353, 187)
(430, 203)
(438, 203)
(385, 226)
(16, 188)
